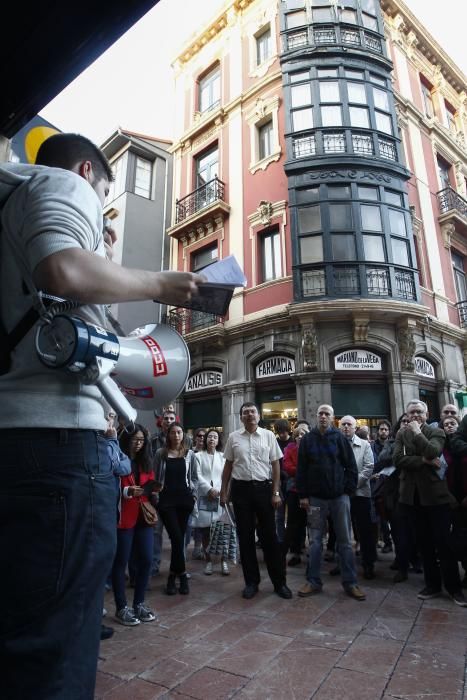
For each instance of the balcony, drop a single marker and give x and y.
(452, 209)
(188, 321)
(462, 310)
(204, 209)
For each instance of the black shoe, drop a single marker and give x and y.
(294, 561)
(387, 549)
(250, 591)
(394, 566)
(335, 571)
(400, 577)
(184, 587)
(106, 632)
(428, 593)
(171, 588)
(283, 591)
(368, 572)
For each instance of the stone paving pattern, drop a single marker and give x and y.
(213, 644)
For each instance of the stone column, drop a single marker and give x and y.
(233, 396)
(313, 389)
(403, 387)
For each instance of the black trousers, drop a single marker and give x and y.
(361, 514)
(296, 524)
(175, 519)
(253, 509)
(433, 526)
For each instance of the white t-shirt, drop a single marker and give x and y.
(46, 210)
(252, 454)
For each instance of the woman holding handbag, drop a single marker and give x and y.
(135, 528)
(209, 465)
(176, 480)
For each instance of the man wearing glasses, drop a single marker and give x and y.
(423, 489)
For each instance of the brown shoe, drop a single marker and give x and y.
(355, 592)
(308, 589)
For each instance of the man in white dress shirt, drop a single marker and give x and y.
(252, 463)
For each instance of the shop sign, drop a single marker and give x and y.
(424, 368)
(362, 360)
(273, 366)
(208, 379)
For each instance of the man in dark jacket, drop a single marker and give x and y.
(424, 489)
(327, 476)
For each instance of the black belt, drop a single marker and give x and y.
(253, 482)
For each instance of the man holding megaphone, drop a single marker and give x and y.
(57, 496)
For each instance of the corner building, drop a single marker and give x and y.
(324, 146)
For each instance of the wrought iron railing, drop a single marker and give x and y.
(359, 280)
(187, 320)
(199, 199)
(462, 310)
(449, 199)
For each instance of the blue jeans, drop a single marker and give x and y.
(137, 541)
(57, 542)
(339, 509)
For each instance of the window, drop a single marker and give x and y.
(300, 95)
(207, 167)
(377, 80)
(143, 177)
(374, 248)
(340, 216)
(359, 117)
(380, 98)
(400, 253)
(427, 100)
(443, 171)
(338, 191)
(459, 276)
(343, 247)
(265, 139)
(210, 90)
(271, 255)
(368, 6)
(371, 218)
(353, 74)
(310, 194)
(311, 249)
(297, 77)
(263, 46)
(296, 19)
(331, 116)
(203, 257)
(349, 16)
(393, 198)
(383, 122)
(369, 22)
(323, 14)
(309, 219)
(450, 117)
(327, 72)
(302, 119)
(356, 93)
(118, 185)
(397, 222)
(329, 91)
(368, 193)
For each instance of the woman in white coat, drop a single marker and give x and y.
(210, 464)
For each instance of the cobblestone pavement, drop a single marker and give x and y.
(213, 644)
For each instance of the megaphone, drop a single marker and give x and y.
(142, 371)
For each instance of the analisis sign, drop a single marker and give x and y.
(208, 379)
(272, 366)
(357, 360)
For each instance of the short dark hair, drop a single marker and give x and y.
(66, 150)
(282, 425)
(247, 404)
(386, 423)
(302, 421)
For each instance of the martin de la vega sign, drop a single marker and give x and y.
(357, 360)
(208, 379)
(272, 366)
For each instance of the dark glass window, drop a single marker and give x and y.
(207, 167)
(309, 219)
(340, 216)
(338, 191)
(443, 170)
(311, 249)
(459, 276)
(368, 192)
(310, 194)
(203, 257)
(343, 246)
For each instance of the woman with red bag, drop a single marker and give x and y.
(133, 530)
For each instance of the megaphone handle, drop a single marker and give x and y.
(116, 399)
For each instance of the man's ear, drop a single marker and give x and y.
(85, 170)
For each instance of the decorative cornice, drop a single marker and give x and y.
(265, 212)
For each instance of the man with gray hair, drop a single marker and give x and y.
(326, 477)
(360, 503)
(423, 488)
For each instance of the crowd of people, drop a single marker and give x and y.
(350, 497)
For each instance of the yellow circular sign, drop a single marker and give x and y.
(35, 138)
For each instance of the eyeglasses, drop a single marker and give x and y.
(134, 439)
(450, 413)
(200, 436)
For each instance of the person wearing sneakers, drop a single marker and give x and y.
(133, 531)
(209, 466)
(327, 476)
(424, 491)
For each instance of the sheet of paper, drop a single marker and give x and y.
(226, 272)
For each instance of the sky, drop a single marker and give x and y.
(131, 84)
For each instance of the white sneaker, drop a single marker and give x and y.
(225, 568)
(208, 569)
(127, 617)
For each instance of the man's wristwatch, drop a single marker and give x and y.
(276, 493)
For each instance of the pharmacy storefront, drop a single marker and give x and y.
(275, 391)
